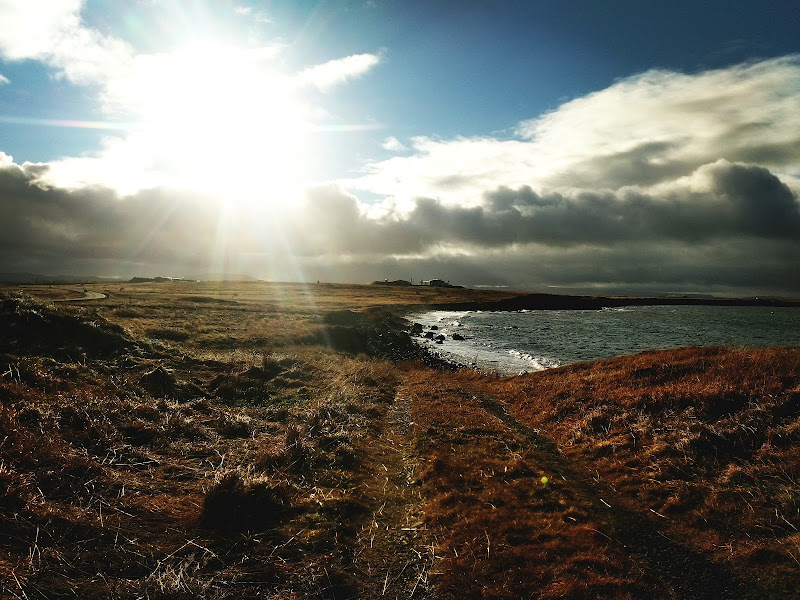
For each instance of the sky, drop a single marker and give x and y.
(565, 146)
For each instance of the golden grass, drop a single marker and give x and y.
(190, 440)
(498, 531)
(706, 439)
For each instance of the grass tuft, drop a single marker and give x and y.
(239, 502)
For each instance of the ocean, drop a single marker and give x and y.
(511, 342)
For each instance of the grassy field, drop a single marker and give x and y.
(253, 440)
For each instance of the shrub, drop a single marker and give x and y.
(234, 426)
(239, 502)
(173, 335)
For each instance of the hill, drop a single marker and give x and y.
(36, 278)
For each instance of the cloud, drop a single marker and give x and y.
(51, 31)
(661, 182)
(4, 80)
(189, 114)
(654, 127)
(30, 26)
(393, 144)
(718, 203)
(728, 227)
(43, 225)
(662, 179)
(662, 122)
(331, 73)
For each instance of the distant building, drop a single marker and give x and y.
(436, 283)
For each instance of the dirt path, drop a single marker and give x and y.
(390, 558)
(87, 295)
(504, 529)
(684, 572)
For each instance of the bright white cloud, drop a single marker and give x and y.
(51, 31)
(166, 85)
(247, 11)
(212, 117)
(393, 145)
(28, 28)
(337, 71)
(642, 131)
(457, 171)
(4, 80)
(745, 112)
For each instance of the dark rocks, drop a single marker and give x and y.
(159, 382)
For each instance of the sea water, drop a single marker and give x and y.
(510, 342)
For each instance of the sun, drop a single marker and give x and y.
(217, 118)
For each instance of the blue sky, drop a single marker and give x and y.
(577, 146)
(449, 69)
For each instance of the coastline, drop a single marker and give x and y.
(538, 301)
(510, 341)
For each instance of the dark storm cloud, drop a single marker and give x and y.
(646, 164)
(740, 200)
(753, 267)
(728, 226)
(727, 201)
(43, 226)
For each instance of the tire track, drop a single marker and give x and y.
(390, 556)
(686, 573)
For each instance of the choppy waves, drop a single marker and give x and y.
(473, 338)
(530, 340)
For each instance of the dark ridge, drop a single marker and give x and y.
(29, 329)
(205, 300)
(39, 279)
(152, 280)
(396, 282)
(564, 302)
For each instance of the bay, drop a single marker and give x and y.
(510, 342)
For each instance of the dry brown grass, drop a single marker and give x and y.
(218, 318)
(138, 464)
(259, 440)
(497, 530)
(704, 438)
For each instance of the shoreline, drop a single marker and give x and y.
(530, 358)
(538, 301)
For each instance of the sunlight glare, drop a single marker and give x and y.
(222, 121)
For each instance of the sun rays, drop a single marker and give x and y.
(218, 118)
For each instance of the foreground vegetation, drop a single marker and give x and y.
(183, 440)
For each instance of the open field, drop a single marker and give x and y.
(251, 440)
